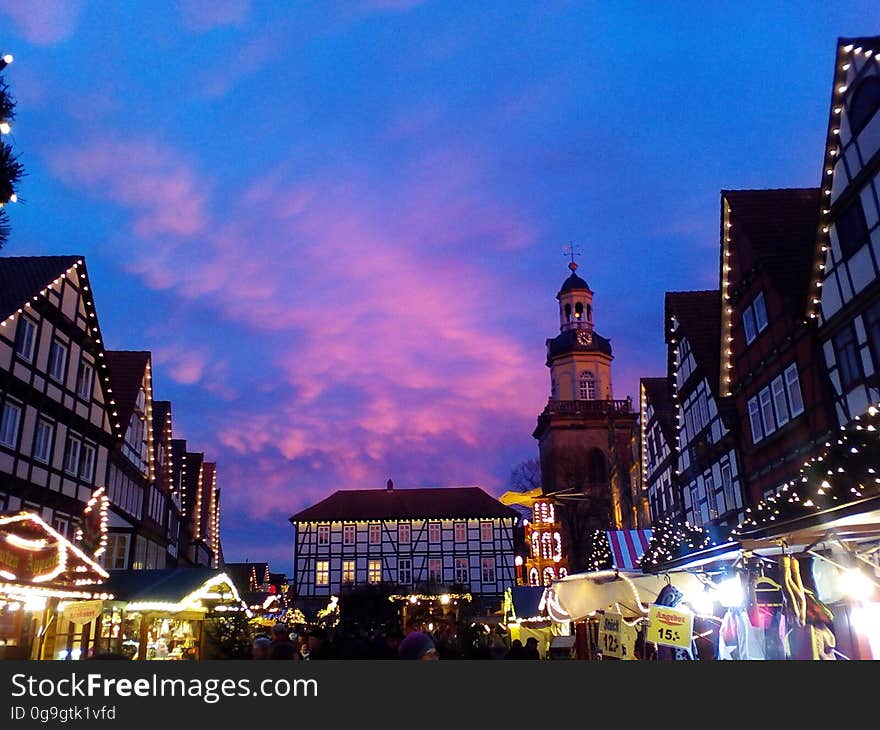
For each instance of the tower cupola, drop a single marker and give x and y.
(575, 303)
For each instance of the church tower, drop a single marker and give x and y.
(584, 434)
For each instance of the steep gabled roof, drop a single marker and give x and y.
(23, 277)
(846, 52)
(377, 504)
(698, 314)
(659, 395)
(127, 369)
(779, 227)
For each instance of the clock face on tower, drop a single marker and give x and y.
(584, 337)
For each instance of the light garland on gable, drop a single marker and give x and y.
(845, 56)
(725, 374)
(848, 469)
(100, 503)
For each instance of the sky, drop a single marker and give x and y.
(339, 226)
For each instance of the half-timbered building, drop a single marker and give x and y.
(769, 346)
(845, 287)
(708, 462)
(659, 457)
(56, 403)
(434, 541)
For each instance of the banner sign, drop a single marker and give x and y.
(669, 626)
(82, 612)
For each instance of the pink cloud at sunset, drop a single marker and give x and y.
(43, 22)
(200, 16)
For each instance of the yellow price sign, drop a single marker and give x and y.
(670, 626)
(616, 638)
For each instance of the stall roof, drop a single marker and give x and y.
(167, 585)
(627, 547)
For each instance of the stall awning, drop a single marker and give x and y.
(174, 590)
(527, 601)
(627, 547)
(582, 594)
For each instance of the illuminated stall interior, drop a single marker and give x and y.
(428, 610)
(162, 614)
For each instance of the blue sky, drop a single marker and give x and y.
(339, 226)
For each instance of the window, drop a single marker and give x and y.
(777, 388)
(116, 554)
(794, 391)
(488, 570)
(349, 534)
(754, 318)
(61, 525)
(760, 312)
(85, 375)
(534, 578)
(57, 360)
(25, 336)
(686, 362)
(43, 441)
(404, 571)
(322, 573)
(461, 531)
(727, 486)
(348, 571)
(375, 533)
(748, 320)
(549, 575)
(536, 545)
(755, 420)
(435, 570)
(587, 386)
(848, 361)
(71, 454)
(461, 571)
(852, 228)
(323, 534)
(864, 103)
(434, 532)
(403, 533)
(9, 424)
(374, 571)
(486, 532)
(767, 418)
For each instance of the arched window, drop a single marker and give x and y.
(568, 313)
(587, 386)
(546, 546)
(534, 578)
(596, 472)
(579, 311)
(563, 572)
(864, 104)
(549, 576)
(557, 549)
(589, 313)
(536, 545)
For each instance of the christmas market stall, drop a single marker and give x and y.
(798, 578)
(163, 614)
(49, 586)
(526, 616)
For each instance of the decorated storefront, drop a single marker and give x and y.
(42, 574)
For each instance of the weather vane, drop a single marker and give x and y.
(572, 251)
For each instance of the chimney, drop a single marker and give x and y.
(390, 485)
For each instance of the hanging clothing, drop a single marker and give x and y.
(738, 638)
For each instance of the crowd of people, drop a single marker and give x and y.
(418, 643)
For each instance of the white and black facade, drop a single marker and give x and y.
(456, 539)
(846, 294)
(55, 401)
